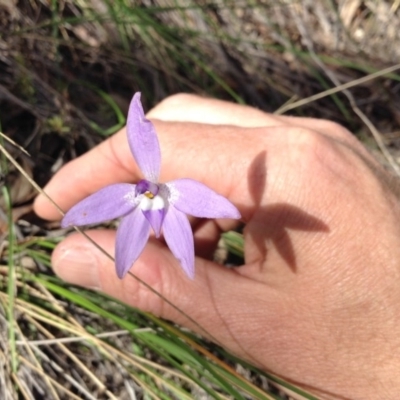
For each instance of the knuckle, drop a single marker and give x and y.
(314, 159)
(305, 145)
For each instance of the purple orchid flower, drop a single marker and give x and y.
(161, 206)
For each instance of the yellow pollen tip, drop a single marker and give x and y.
(149, 195)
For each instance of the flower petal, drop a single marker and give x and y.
(154, 210)
(143, 141)
(132, 235)
(179, 237)
(111, 202)
(195, 198)
(155, 218)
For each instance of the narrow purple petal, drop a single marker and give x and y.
(179, 237)
(155, 218)
(132, 235)
(143, 141)
(108, 203)
(195, 198)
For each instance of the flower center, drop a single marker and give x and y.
(149, 189)
(150, 196)
(152, 203)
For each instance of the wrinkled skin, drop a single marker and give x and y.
(318, 300)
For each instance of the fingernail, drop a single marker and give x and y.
(78, 266)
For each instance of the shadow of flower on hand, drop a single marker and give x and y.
(273, 222)
(277, 221)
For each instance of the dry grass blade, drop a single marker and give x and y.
(108, 350)
(13, 143)
(102, 346)
(33, 320)
(22, 387)
(75, 360)
(337, 89)
(6, 385)
(37, 320)
(105, 335)
(53, 381)
(47, 380)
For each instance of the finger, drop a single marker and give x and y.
(202, 152)
(77, 261)
(193, 108)
(206, 236)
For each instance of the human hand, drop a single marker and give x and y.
(318, 299)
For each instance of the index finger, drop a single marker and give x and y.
(206, 153)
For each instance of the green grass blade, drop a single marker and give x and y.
(234, 241)
(11, 284)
